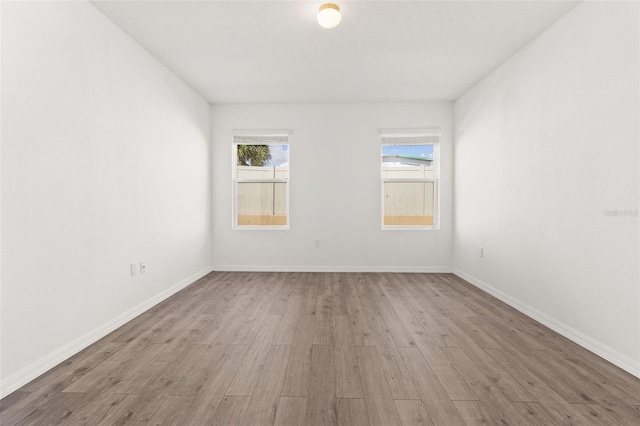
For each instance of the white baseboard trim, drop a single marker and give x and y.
(289, 268)
(27, 374)
(621, 360)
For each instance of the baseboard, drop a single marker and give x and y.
(623, 361)
(27, 374)
(289, 268)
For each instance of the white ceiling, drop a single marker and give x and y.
(274, 51)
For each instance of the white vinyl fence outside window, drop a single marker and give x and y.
(409, 176)
(261, 180)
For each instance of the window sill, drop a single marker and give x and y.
(409, 228)
(259, 228)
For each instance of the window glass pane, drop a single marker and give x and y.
(262, 203)
(262, 161)
(408, 203)
(407, 156)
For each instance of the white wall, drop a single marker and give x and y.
(335, 161)
(543, 147)
(105, 161)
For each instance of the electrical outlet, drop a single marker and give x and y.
(143, 266)
(134, 268)
(317, 243)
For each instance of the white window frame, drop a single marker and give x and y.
(258, 137)
(403, 137)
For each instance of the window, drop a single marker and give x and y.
(410, 179)
(261, 180)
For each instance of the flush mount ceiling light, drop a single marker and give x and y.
(329, 15)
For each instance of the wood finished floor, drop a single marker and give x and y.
(330, 349)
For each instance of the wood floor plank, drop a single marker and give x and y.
(610, 376)
(436, 332)
(321, 405)
(452, 381)
(580, 389)
(398, 331)
(287, 328)
(508, 330)
(299, 284)
(118, 368)
(231, 330)
(238, 348)
(339, 294)
(292, 411)
(408, 284)
(254, 297)
(472, 413)
(365, 286)
(435, 398)
(380, 406)
(474, 331)
(296, 379)
(413, 413)
(479, 357)
(323, 331)
(56, 410)
(352, 412)
(309, 302)
(146, 373)
(321, 284)
(604, 388)
(279, 304)
(534, 413)
(106, 409)
(386, 283)
(190, 371)
(249, 330)
(250, 370)
(184, 329)
(385, 306)
(231, 410)
(181, 302)
(74, 368)
(598, 415)
(435, 306)
(154, 407)
(348, 383)
(262, 407)
(360, 331)
(204, 406)
(617, 394)
(617, 382)
(494, 404)
(171, 409)
(454, 300)
(219, 321)
(561, 410)
(17, 405)
(400, 381)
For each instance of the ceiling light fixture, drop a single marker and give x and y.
(329, 15)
